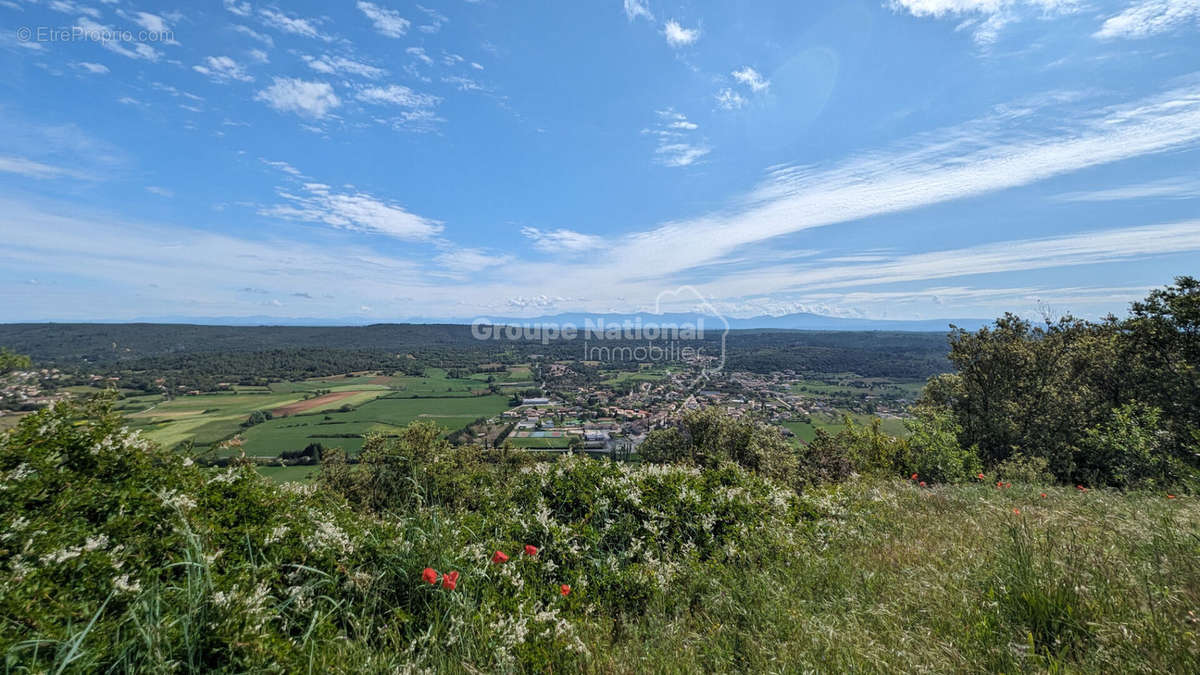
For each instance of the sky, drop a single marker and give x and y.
(392, 161)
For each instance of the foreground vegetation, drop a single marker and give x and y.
(116, 554)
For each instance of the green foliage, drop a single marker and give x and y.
(1026, 469)
(1047, 390)
(707, 437)
(1126, 450)
(1039, 589)
(10, 361)
(258, 417)
(933, 450)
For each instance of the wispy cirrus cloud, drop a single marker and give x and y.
(387, 22)
(223, 69)
(676, 142)
(637, 9)
(562, 240)
(356, 211)
(984, 18)
(1151, 17)
(1169, 188)
(292, 24)
(331, 65)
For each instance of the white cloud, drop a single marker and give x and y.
(460, 262)
(93, 68)
(259, 55)
(728, 99)
(261, 37)
(358, 211)
(972, 159)
(223, 69)
(386, 21)
(68, 7)
(151, 22)
(1083, 248)
(1173, 188)
(463, 83)
(1151, 17)
(293, 25)
(676, 147)
(987, 17)
(419, 54)
(751, 78)
(238, 8)
(31, 169)
(436, 19)
(160, 191)
(283, 166)
(104, 36)
(562, 240)
(339, 64)
(637, 9)
(678, 36)
(289, 94)
(396, 94)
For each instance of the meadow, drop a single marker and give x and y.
(126, 558)
(384, 414)
(313, 410)
(832, 423)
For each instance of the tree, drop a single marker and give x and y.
(10, 361)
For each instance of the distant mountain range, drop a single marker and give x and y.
(799, 321)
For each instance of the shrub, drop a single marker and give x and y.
(1023, 468)
(708, 438)
(933, 450)
(1128, 450)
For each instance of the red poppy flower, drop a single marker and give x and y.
(1008, 485)
(1170, 496)
(1017, 511)
(565, 590)
(429, 575)
(1043, 495)
(980, 476)
(999, 484)
(922, 483)
(450, 580)
(499, 557)
(530, 550)
(914, 476)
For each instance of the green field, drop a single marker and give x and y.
(204, 419)
(849, 384)
(806, 431)
(639, 376)
(386, 415)
(383, 404)
(287, 474)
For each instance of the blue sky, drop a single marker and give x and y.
(382, 161)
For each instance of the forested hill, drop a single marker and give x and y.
(107, 346)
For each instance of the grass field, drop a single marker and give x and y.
(381, 404)
(290, 474)
(850, 384)
(806, 431)
(385, 415)
(539, 443)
